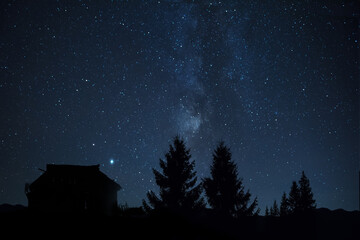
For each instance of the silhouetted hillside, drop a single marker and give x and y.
(320, 224)
(5, 208)
(338, 224)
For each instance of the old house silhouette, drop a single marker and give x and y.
(72, 188)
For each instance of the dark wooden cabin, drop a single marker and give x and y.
(73, 188)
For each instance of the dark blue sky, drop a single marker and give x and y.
(112, 82)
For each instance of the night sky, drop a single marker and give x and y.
(112, 83)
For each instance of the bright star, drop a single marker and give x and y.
(111, 161)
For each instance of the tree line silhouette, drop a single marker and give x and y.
(181, 209)
(301, 199)
(224, 189)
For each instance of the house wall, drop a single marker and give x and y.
(73, 192)
(73, 200)
(105, 200)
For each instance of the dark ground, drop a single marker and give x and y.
(133, 224)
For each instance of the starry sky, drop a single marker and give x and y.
(112, 83)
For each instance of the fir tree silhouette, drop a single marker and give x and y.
(224, 190)
(294, 197)
(284, 205)
(177, 182)
(301, 198)
(274, 210)
(306, 201)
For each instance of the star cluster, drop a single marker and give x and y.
(112, 82)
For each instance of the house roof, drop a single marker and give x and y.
(85, 174)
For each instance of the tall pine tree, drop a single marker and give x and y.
(294, 197)
(284, 205)
(224, 190)
(274, 210)
(301, 198)
(306, 200)
(177, 182)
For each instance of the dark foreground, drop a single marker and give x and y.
(321, 224)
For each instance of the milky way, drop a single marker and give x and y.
(112, 83)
